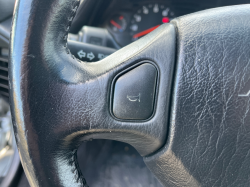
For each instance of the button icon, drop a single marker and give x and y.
(134, 98)
(90, 56)
(81, 54)
(101, 56)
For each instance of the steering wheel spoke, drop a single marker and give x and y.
(76, 98)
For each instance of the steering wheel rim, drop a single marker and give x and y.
(58, 101)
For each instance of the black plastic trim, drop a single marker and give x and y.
(125, 71)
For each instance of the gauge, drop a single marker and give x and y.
(118, 23)
(148, 18)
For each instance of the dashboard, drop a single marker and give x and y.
(129, 20)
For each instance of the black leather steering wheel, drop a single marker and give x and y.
(182, 94)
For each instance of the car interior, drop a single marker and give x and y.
(124, 93)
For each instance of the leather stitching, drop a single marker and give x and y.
(73, 161)
(76, 169)
(70, 20)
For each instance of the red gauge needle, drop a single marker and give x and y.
(115, 24)
(145, 32)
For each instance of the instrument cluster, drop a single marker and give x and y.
(128, 26)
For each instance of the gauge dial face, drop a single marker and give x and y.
(148, 18)
(118, 23)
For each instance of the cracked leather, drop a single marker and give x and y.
(209, 137)
(57, 101)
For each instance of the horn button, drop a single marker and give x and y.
(134, 93)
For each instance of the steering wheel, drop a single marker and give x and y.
(179, 95)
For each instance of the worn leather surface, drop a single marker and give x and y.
(57, 101)
(208, 142)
